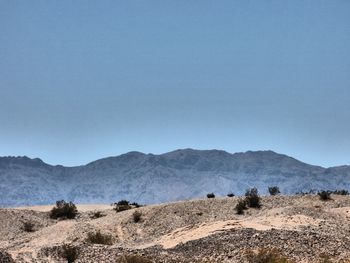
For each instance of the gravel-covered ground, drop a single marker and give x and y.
(302, 228)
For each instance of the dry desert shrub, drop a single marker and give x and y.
(5, 257)
(264, 255)
(28, 226)
(274, 190)
(97, 214)
(64, 210)
(136, 205)
(324, 195)
(252, 198)
(240, 207)
(211, 195)
(70, 253)
(133, 259)
(137, 216)
(122, 205)
(99, 238)
(341, 192)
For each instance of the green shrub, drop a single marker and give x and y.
(210, 195)
(70, 253)
(99, 238)
(252, 198)
(324, 195)
(274, 190)
(266, 256)
(240, 207)
(64, 210)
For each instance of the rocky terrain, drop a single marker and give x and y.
(301, 228)
(150, 179)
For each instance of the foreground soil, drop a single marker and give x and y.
(301, 228)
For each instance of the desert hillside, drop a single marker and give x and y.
(300, 228)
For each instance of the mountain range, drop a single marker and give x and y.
(149, 178)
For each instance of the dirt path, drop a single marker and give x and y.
(188, 233)
(120, 233)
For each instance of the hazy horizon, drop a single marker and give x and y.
(84, 80)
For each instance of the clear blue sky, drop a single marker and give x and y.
(81, 80)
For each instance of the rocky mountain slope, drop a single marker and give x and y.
(300, 228)
(149, 178)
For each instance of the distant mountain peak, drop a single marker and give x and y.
(154, 178)
(21, 160)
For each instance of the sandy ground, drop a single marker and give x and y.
(173, 224)
(81, 207)
(264, 223)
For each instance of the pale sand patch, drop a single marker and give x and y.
(49, 236)
(342, 211)
(185, 234)
(81, 208)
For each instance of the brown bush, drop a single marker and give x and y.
(70, 253)
(28, 226)
(122, 205)
(325, 195)
(137, 216)
(252, 198)
(64, 209)
(263, 255)
(211, 195)
(5, 257)
(133, 259)
(99, 238)
(240, 207)
(97, 214)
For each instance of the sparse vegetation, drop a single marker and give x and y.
(99, 238)
(188, 226)
(324, 259)
(324, 195)
(341, 192)
(137, 216)
(274, 190)
(133, 259)
(70, 253)
(263, 255)
(64, 210)
(230, 195)
(211, 195)
(252, 198)
(240, 207)
(122, 205)
(28, 226)
(123, 202)
(136, 205)
(97, 214)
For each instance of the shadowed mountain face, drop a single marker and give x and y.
(148, 178)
